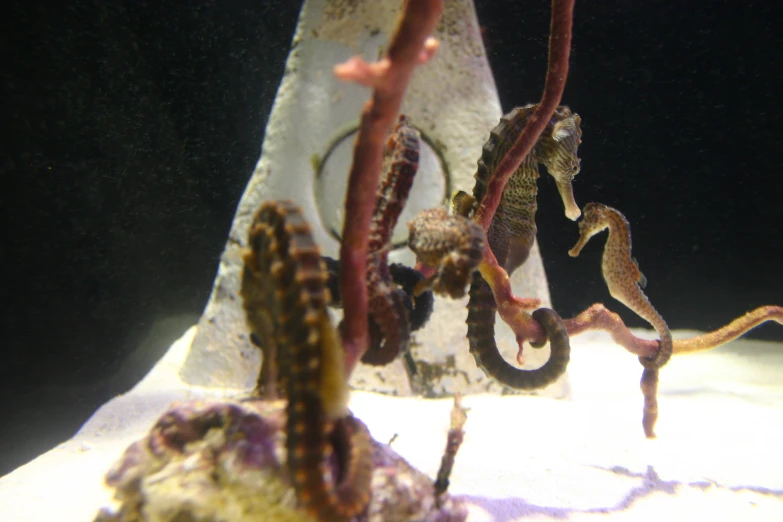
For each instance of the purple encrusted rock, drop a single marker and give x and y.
(224, 460)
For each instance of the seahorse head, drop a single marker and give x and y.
(594, 220)
(557, 150)
(595, 217)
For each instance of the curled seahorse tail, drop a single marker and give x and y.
(481, 335)
(665, 344)
(557, 333)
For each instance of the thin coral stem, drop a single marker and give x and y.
(409, 47)
(513, 309)
(454, 440)
(731, 331)
(597, 317)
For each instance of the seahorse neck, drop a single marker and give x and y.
(618, 234)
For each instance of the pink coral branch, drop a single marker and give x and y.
(410, 46)
(598, 317)
(513, 309)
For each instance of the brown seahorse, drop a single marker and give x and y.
(454, 244)
(285, 304)
(625, 282)
(386, 302)
(513, 230)
(513, 227)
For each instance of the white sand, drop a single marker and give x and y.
(717, 456)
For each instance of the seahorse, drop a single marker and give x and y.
(513, 230)
(513, 227)
(285, 302)
(625, 282)
(454, 244)
(419, 305)
(387, 303)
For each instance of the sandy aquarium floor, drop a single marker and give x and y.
(717, 456)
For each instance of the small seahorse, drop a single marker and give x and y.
(385, 302)
(625, 282)
(513, 229)
(285, 305)
(454, 244)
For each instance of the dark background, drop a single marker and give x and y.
(131, 128)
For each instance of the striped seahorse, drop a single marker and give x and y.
(512, 233)
(625, 282)
(386, 303)
(284, 295)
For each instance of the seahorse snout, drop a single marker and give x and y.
(572, 211)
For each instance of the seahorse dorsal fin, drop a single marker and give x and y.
(463, 204)
(641, 280)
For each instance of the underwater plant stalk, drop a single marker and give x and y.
(598, 317)
(513, 309)
(410, 45)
